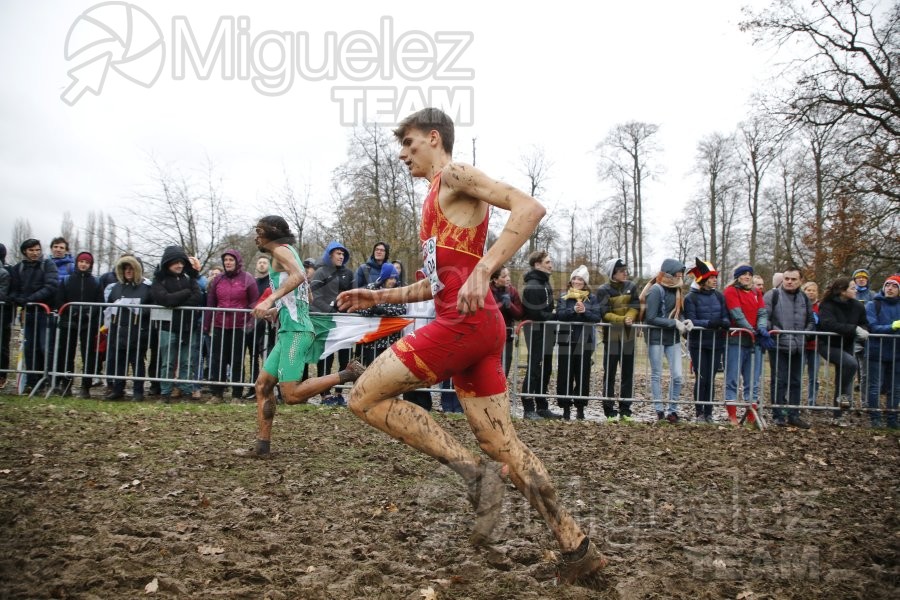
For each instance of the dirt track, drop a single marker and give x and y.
(100, 500)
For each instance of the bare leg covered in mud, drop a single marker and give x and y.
(293, 392)
(374, 399)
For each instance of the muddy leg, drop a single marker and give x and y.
(298, 392)
(491, 423)
(265, 411)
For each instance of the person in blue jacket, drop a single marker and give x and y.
(883, 351)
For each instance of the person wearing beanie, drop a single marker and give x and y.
(578, 310)
(387, 279)
(35, 280)
(841, 313)
(864, 294)
(664, 313)
(788, 309)
(7, 309)
(883, 315)
(704, 306)
(78, 326)
(861, 279)
(746, 311)
(619, 305)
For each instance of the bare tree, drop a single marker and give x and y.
(716, 163)
(67, 229)
(21, 232)
(627, 152)
(536, 167)
(757, 148)
(187, 210)
(293, 206)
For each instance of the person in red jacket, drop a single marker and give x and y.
(747, 311)
(507, 298)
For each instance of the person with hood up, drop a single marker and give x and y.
(370, 271)
(619, 305)
(235, 290)
(664, 308)
(327, 281)
(175, 285)
(704, 306)
(79, 324)
(128, 327)
(883, 314)
(578, 309)
(387, 279)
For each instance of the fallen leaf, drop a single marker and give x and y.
(443, 582)
(152, 587)
(428, 593)
(310, 569)
(207, 550)
(5, 471)
(391, 507)
(744, 595)
(122, 455)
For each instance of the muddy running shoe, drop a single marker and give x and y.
(352, 372)
(581, 566)
(486, 495)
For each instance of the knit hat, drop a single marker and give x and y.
(671, 266)
(612, 266)
(742, 269)
(85, 256)
(895, 279)
(388, 271)
(861, 273)
(703, 270)
(581, 271)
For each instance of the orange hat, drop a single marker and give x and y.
(702, 270)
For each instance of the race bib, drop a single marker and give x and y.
(429, 260)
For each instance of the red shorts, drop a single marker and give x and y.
(467, 349)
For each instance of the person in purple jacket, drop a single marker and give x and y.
(233, 289)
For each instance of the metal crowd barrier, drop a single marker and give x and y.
(111, 344)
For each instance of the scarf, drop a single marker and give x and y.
(676, 283)
(577, 295)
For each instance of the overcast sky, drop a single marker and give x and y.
(554, 75)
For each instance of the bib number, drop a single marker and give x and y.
(429, 260)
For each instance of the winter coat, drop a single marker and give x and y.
(618, 301)
(386, 309)
(81, 286)
(706, 308)
(511, 313)
(174, 291)
(841, 316)
(660, 304)
(572, 333)
(231, 289)
(35, 281)
(65, 267)
(369, 271)
(537, 296)
(789, 312)
(881, 313)
(328, 281)
(747, 310)
(130, 320)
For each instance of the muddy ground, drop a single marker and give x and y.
(128, 500)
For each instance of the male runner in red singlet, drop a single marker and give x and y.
(465, 341)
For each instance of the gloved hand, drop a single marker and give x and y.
(895, 325)
(506, 300)
(680, 326)
(765, 340)
(862, 334)
(722, 324)
(688, 325)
